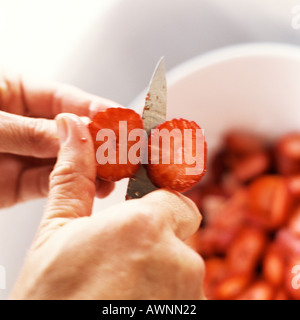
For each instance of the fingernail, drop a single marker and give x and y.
(71, 129)
(62, 128)
(85, 120)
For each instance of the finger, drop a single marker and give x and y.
(33, 183)
(72, 182)
(181, 213)
(31, 97)
(192, 265)
(159, 209)
(28, 136)
(103, 188)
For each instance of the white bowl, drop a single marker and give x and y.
(253, 87)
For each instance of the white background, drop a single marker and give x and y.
(109, 47)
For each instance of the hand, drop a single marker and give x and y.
(28, 140)
(133, 250)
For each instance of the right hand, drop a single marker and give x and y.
(133, 250)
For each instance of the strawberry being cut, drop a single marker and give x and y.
(178, 165)
(115, 120)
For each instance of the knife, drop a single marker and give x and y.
(154, 113)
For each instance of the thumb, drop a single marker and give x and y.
(72, 181)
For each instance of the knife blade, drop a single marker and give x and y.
(154, 113)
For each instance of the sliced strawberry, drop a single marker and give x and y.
(217, 166)
(294, 222)
(178, 165)
(214, 241)
(110, 119)
(251, 166)
(288, 242)
(288, 154)
(240, 142)
(230, 184)
(212, 206)
(293, 182)
(281, 295)
(222, 223)
(246, 249)
(231, 214)
(273, 266)
(259, 290)
(215, 270)
(270, 201)
(232, 286)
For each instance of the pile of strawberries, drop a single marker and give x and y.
(250, 233)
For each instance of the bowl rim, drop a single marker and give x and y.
(231, 52)
(219, 55)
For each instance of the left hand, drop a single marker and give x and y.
(28, 137)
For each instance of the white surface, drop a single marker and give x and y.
(118, 55)
(110, 47)
(38, 36)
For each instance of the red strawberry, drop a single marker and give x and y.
(241, 142)
(293, 223)
(110, 119)
(258, 290)
(216, 270)
(273, 266)
(246, 249)
(232, 286)
(288, 154)
(270, 201)
(281, 294)
(293, 182)
(251, 166)
(170, 164)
